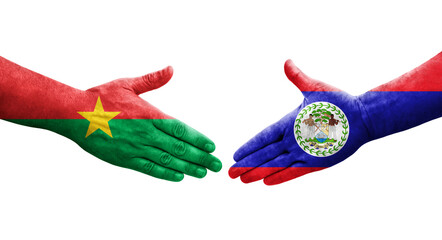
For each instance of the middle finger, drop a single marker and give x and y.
(185, 151)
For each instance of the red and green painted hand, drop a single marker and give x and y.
(109, 121)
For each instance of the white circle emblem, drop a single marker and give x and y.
(321, 129)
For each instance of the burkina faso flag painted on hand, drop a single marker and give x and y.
(109, 121)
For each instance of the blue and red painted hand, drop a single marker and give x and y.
(330, 125)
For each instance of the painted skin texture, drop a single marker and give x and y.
(274, 155)
(109, 121)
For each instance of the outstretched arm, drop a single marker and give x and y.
(283, 151)
(109, 121)
(408, 101)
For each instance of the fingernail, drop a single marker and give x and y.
(179, 176)
(209, 147)
(216, 166)
(201, 172)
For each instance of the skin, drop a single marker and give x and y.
(164, 148)
(333, 121)
(276, 145)
(274, 156)
(309, 121)
(147, 141)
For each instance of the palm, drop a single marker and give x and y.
(276, 156)
(127, 131)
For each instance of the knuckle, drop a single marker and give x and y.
(147, 80)
(202, 159)
(168, 174)
(150, 137)
(179, 130)
(198, 142)
(165, 158)
(179, 148)
(148, 167)
(187, 167)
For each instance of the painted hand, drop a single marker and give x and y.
(117, 126)
(293, 147)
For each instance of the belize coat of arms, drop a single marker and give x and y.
(321, 129)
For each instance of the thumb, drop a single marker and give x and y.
(150, 81)
(304, 82)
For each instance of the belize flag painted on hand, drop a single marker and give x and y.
(330, 125)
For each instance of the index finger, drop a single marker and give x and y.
(266, 137)
(180, 130)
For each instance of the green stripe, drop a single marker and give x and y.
(136, 142)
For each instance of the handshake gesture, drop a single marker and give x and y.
(324, 130)
(110, 122)
(330, 125)
(114, 124)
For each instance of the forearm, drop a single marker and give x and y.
(408, 101)
(25, 94)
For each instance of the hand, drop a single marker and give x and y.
(117, 126)
(276, 156)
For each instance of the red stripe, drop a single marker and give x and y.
(29, 95)
(234, 172)
(289, 174)
(316, 86)
(425, 78)
(304, 82)
(272, 175)
(259, 173)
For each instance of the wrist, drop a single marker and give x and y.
(408, 101)
(367, 122)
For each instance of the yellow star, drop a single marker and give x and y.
(99, 119)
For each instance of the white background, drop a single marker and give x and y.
(229, 84)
